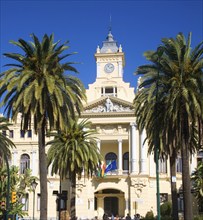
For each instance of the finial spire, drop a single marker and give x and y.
(110, 26)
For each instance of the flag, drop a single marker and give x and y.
(111, 166)
(101, 170)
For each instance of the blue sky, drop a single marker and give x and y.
(137, 25)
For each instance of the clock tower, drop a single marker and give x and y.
(109, 59)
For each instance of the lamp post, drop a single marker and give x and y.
(34, 185)
(8, 189)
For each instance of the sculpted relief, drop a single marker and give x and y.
(138, 185)
(109, 106)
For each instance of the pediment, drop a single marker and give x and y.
(107, 104)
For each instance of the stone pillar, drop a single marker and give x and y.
(34, 167)
(14, 161)
(126, 206)
(98, 69)
(143, 153)
(120, 154)
(99, 144)
(120, 69)
(134, 168)
(100, 207)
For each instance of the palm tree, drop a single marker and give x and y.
(5, 154)
(197, 179)
(149, 111)
(74, 152)
(180, 86)
(5, 142)
(37, 87)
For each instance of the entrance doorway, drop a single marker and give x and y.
(111, 205)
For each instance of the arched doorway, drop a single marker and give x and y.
(111, 205)
(110, 201)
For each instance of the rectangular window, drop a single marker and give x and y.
(163, 197)
(25, 202)
(109, 91)
(179, 165)
(163, 166)
(4, 133)
(22, 133)
(11, 134)
(38, 201)
(29, 133)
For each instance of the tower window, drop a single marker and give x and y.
(109, 91)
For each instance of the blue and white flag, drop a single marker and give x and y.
(111, 166)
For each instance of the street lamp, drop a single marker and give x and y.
(34, 185)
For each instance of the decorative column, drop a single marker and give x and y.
(134, 168)
(98, 69)
(120, 69)
(120, 161)
(14, 162)
(126, 206)
(99, 145)
(100, 207)
(34, 171)
(143, 155)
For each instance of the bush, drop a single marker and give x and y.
(166, 218)
(149, 216)
(198, 217)
(165, 209)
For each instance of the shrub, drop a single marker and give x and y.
(149, 216)
(198, 217)
(165, 209)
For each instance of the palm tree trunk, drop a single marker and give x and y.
(187, 198)
(173, 186)
(42, 173)
(73, 194)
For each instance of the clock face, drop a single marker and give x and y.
(109, 68)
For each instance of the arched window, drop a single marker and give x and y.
(24, 163)
(126, 161)
(110, 157)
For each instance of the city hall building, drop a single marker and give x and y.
(131, 187)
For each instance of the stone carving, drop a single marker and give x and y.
(109, 130)
(109, 106)
(138, 185)
(80, 185)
